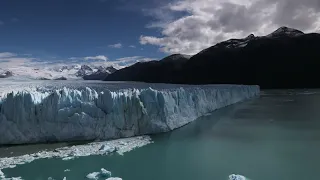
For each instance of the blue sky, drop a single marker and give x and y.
(127, 31)
(61, 29)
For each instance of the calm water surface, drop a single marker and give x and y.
(275, 137)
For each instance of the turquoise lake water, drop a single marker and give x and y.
(275, 137)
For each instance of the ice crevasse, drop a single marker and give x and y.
(69, 114)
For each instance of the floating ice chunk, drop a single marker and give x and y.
(105, 148)
(105, 172)
(67, 170)
(1, 174)
(64, 178)
(94, 175)
(82, 150)
(13, 178)
(102, 174)
(237, 177)
(67, 158)
(114, 178)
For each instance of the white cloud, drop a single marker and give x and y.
(9, 59)
(100, 57)
(128, 61)
(95, 58)
(131, 58)
(74, 58)
(206, 22)
(132, 46)
(118, 45)
(7, 54)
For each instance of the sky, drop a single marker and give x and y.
(122, 32)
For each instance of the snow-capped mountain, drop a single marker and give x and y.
(84, 70)
(285, 31)
(240, 43)
(58, 72)
(5, 73)
(99, 73)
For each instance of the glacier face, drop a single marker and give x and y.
(68, 114)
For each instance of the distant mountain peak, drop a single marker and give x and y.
(285, 31)
(86, 68)
(174, 57)
(251, 36)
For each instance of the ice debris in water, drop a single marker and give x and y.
(93, 175)
(102, 174)
(78, 151)
(67, 158)
(13, 178)
(51, 178)
(237, 177)
(3, 177)
(114, 178)
(67, 170)
(105, 172)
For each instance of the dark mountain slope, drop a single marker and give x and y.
(286, 58)
(152, 71)
(282, 62)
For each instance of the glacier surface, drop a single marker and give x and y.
(69, 113)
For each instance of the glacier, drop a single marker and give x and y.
(70, 113)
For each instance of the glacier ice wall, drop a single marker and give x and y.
(70, 114)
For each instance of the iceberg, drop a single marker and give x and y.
(96, 175)
(237, 177)
(37, 115)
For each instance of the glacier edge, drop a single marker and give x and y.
(68, 114)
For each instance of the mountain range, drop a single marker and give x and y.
(65, 72)
(286, 58)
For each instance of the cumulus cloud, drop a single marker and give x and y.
(118, 45)
(132, 46)
(207, 22)
(100, 57)
(94, 58)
